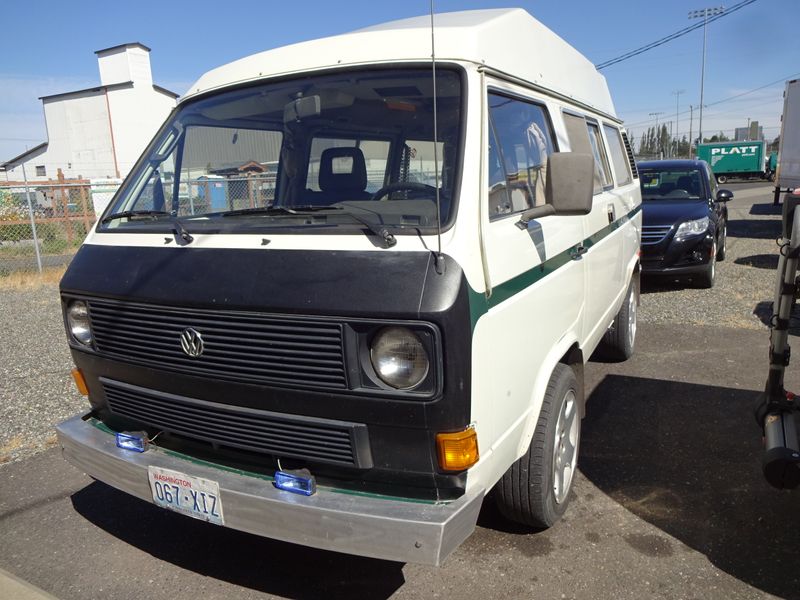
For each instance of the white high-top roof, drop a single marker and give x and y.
(507, 40)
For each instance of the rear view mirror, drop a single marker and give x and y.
(724, 195)
(568, 188)
(302, 108)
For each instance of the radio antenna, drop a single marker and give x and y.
(439, 267)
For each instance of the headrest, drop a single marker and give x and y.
(342, 169)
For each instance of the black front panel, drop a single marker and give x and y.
(142, 298)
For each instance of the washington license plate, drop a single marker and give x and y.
(192, 496)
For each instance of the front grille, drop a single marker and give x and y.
(238, 346)
(653, 234)
(284, 436)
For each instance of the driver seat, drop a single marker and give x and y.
(343, 175)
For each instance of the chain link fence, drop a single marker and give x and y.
(43, 224)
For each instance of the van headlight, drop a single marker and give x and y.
(691, 228)
(399, 357)
(78, 322)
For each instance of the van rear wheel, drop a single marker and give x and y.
(535, 489)
(619, 341)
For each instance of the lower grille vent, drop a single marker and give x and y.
(320, 440)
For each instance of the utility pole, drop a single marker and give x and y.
(695, 14)
(677, 94)
(658, 135)
(691, 122)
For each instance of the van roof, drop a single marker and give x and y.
(507, 40)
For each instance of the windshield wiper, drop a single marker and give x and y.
(178, 229)
(376, 228)
(134, 213)
(277, 210)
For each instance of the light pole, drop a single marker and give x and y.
(677, 94)
(658, 134)
(696, 14)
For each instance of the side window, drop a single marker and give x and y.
(520, 140)
(618, 159)
(577, 133)
(602, 176)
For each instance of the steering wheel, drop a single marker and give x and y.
(413, 186)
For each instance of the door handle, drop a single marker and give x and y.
(612, 213)
(578, 251)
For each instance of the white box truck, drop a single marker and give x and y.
(788, 172)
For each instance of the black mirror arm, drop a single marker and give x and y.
(535, 213)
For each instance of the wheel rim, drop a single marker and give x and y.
(713, 261)
(631, 319)
(565, 450)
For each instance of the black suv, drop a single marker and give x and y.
(684, 219)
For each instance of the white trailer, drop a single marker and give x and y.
(788, 172)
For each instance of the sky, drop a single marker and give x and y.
(48, 47)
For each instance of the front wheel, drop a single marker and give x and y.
(707, 278)
(722, 242)
(535, 489)
(721, 179)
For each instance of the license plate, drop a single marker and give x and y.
(192, 496)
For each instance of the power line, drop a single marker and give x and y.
(728, 99)
(671, 37)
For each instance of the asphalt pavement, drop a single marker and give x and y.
(669, 501)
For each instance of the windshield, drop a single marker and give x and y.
(319, 153)
(671, 184)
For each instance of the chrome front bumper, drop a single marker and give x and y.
(379, 527)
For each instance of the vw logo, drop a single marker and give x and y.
(191, 342)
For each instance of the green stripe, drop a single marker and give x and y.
(191, 459)
(479, 304)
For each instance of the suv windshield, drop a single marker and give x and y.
(671, 184)
(316, 154)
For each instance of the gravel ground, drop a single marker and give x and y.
(36, 390)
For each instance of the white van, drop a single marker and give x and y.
(347, 292)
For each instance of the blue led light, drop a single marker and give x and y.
(136, 442)
(298, 482)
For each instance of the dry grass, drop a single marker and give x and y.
(27, 280)
(15, 443)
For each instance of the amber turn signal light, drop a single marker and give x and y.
(80, 382)
(458, 450)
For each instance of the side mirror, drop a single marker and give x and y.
(724, 195)
(569, 186)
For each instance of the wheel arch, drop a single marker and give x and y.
(567, 352)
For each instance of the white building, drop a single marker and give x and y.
(99, 132)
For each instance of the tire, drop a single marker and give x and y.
(721, 179)
(619, 341)
(722, 242)
(535, 489)
(707, 278)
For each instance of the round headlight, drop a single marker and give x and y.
(78, 322)
(399, 358)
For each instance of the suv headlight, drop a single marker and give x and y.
(691, 228)
(399, 357)
(78, 322)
